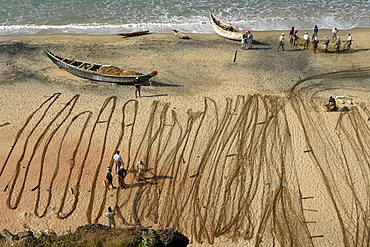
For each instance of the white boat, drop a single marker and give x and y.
(226, 30)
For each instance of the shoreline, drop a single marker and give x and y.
(356, 29)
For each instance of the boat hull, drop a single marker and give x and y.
(94, 75)
(225, 30)
(133, 33)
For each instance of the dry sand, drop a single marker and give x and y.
(239, 153)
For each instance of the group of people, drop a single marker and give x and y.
(247, 40)
(121, 174)
(293, 38)
(121, 171)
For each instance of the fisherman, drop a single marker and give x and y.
(137, 86)
(281, 42)
(243, 41)
(140, 170)
(121, 177)
(118, 160)
(110, 217)
(109, 178)
(332, 105)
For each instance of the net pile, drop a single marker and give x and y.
(113, 70)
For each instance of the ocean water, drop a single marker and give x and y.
(104, 17)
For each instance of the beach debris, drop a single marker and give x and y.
(230, 155)
(341, 101)
(340, 97)
(306, 209)
(4, 124)
(350, 101)
(317, 236)
(236, 52)
(306, 151)
(33, 189)
(192, 176)
(307, 197)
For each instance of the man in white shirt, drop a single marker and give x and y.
(118, 160)
(306, 38)
(349, 42)
(281, 42)
(334, 32)
(249, 40)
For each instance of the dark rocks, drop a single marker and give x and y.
(8, 235)
(172, 238)
(91, 228)
(136, 235)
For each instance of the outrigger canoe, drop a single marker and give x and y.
(226, 30)
(98, 72)
(136, 33)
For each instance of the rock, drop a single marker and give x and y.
(172, 238)
(8, 235)
(91, 228)
(39, 234)
(24, 234)
(29, 241)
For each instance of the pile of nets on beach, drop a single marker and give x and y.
(113, 70)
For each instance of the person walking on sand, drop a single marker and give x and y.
(140, 170)
(249, 40)
(337, 45)
(306, 38)
(295, 38)
(110, 217)
(121, 177)
(349, 42)
(118, 160)
(315, 43)
(281, 42)
(326, 44)
(315, 30)
(243, 41)
(334, 32)
(291, 35)
(137, 86)
(109, 178)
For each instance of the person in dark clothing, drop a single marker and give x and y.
(137, 86)
(121, 177)
(109, 177)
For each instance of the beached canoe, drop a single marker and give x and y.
(136, 33)
(180, 35)
(97, 72)
(226, 30)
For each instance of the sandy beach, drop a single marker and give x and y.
(239, 153)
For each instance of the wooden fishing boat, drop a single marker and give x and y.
(98, 72)
(180, 35)
(136, 33)
(226, 30)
